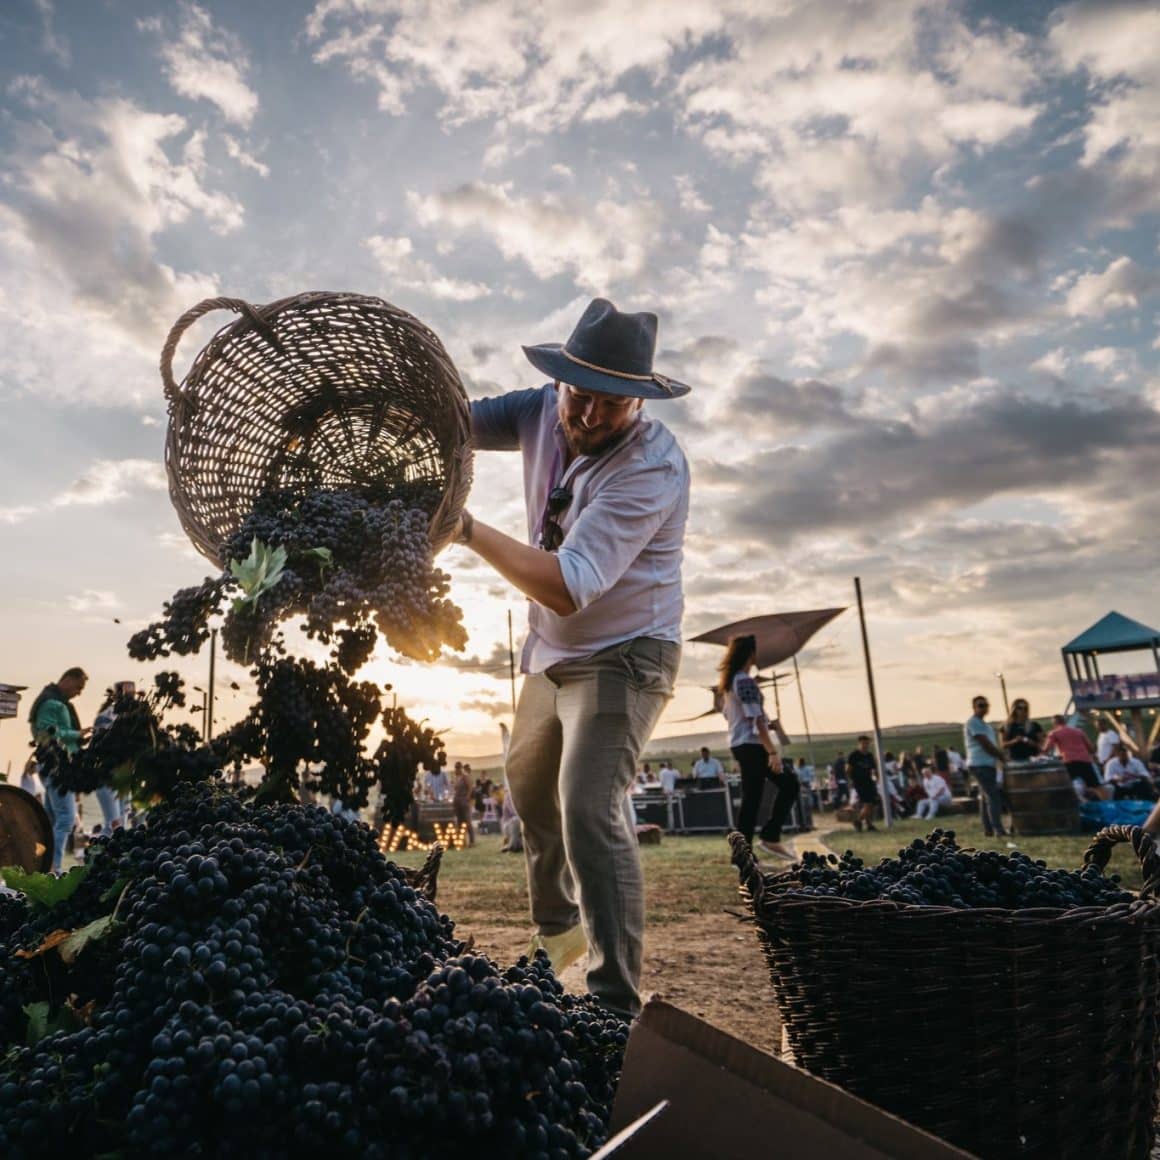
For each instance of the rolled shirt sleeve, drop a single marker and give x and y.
(610, 533)
(497, 422)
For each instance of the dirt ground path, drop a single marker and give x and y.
(708, 965)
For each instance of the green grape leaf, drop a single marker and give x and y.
(37, 1021)
(80, 938)
(41, 1021)
(44, 890)
(259, 572)
(322, 553)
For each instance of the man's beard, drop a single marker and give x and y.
(582, 441)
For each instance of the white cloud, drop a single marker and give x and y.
(54, 44)
(397, 258)
(243, 157)
(92, 600)
(610, 107)
(1054, 363)
(689, 198)
(15, 515)
(85, 300)
(599, 243)
(1118, 287)
(203, 62)
(1116, 44)
(108, 480)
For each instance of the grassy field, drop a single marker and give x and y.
(1063, 850)
(684, 876)
(688, 876)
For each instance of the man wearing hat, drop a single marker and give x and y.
(607, 496)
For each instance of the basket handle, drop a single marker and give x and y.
(1100, 850)
(237, 305)
(747, 868)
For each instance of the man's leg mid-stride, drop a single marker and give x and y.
(608, 705)
(532, 772)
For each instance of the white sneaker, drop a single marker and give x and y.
(767, 848)
(562, 949)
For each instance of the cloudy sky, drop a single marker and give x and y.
(906, 252)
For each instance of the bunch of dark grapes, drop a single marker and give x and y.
(184, 626)
(264, 983)
(360, 560)
(353, 648)
(408, 747)
(309, 723)
(357, 563)
(936, 871)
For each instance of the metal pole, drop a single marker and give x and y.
(797, 676)
(512, 662)
(1003, 686)
(209, 694)
(776, 698)
(887, 812)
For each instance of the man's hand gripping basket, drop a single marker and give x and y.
(317, 390)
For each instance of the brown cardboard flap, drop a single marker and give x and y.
(728, 1098)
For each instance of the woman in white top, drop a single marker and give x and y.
(752, 745)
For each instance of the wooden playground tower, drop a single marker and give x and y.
(1135, 696)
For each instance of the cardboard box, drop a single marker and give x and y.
(728, 1100)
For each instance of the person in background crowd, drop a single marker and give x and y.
(914, 792)
(1075, 751)
(708, 771)
(919, 758)
(938, 795)
(437, 785)
(1022, 737)
(839, 782)
(863, 769)
(983, 759)
(753, 747)
(113, 807)
(1107, 741)
(669, 778)
(53, 717)
(30, 780)
(510, 826)
(805, 777)
(808, 778)
(958, 762)
(1128, 776)
(461, 799)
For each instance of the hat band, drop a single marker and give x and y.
(658, 379)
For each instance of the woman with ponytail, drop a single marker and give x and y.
(753, 747)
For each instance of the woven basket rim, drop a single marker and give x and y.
(1117, 911)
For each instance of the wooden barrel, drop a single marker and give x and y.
(25, 831)
(1041, 797)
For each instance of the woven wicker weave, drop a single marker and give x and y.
(1029, 1033)
(317, 390)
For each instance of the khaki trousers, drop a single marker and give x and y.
(578, 732)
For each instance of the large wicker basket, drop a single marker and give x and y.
(317, 390)
(1027, 1033)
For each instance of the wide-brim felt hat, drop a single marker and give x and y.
(610, 352)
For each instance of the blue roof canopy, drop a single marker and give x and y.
(1114, 633)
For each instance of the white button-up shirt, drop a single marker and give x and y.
(624, 530)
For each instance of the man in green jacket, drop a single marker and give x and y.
(53, 718)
